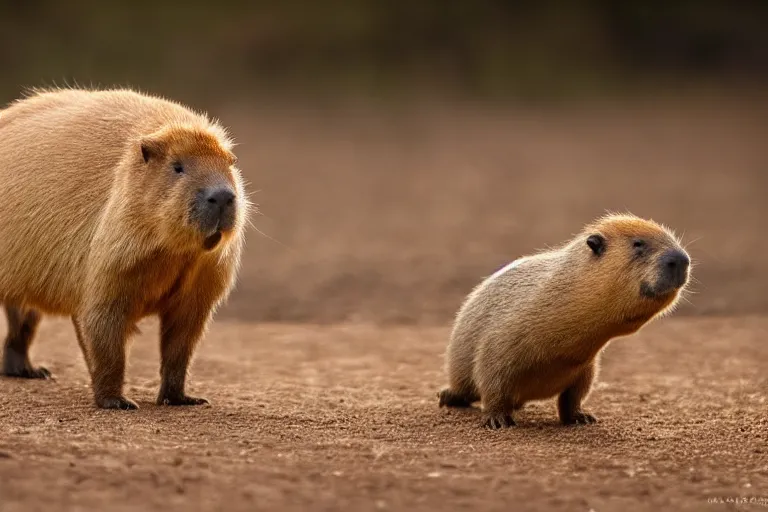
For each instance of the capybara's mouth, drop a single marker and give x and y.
(661, 291)
(647, 291)
(212, 241)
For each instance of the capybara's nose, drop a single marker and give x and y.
(674, 265)
(221, 197)
(218, 205)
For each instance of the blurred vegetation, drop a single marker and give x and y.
(471, 47)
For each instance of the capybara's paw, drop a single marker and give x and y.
(500, 420)
(117, 402)
(447, 398)
(580, 418)
(25, 371)
(181, 400)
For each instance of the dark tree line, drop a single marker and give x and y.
(480, 46)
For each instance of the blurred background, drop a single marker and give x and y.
(401, 151)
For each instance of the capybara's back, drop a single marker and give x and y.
(116, 205)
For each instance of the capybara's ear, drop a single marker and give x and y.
(152, 148)
(596, 243)
(232, 158)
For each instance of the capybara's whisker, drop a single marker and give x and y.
(273, 239)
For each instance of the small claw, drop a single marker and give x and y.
(41, 373)
(182, 400)
(117, 402)
(581, 418)
(496, 422)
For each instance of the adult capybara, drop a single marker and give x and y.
(116, 205)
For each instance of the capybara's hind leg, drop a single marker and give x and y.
(447, 397)
(22, 325)
(105, 332)
(461, 390)
(179, 336)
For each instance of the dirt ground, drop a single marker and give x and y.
(322, 369)
(345, 418)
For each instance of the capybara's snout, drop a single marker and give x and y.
(215, 209)
(673, 270)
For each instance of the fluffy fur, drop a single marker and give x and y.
(95, 225)
(535, 329)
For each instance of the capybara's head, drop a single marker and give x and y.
(639, 265)
(189, 179)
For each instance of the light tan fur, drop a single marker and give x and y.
(535, 329)
(93, 231)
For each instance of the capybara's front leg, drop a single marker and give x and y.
(498, 413)
(83, 345)
(105, 332)
(570, 400)
(180, 333)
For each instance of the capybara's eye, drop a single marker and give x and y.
(640, 247)
(178, 168)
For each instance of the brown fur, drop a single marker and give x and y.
(96, 225)
(535, 329)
